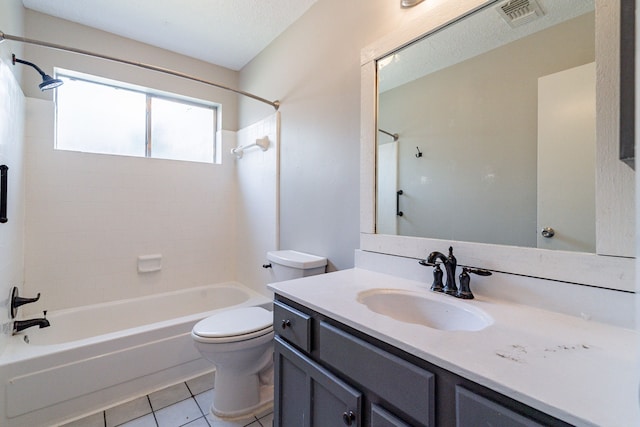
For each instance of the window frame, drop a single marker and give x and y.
(150, 94)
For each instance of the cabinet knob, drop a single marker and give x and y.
(286, 324)
(348, 417)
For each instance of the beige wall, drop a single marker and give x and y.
(314, 69)
(11, 22)
(47, 28)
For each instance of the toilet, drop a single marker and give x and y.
(239, 342)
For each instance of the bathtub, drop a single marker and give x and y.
(96, 356)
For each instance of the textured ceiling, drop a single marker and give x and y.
(224, 32)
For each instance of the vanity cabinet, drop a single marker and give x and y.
(311, 395)
(328, 374)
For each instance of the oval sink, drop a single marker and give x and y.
(415, 307)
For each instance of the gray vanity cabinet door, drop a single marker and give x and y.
(474, 410)
(382, 418)
(307, 395)
(407, 390)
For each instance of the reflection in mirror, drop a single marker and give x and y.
(504, 116)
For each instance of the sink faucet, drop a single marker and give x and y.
(450, 264)
(20, 325)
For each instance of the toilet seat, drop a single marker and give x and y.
(234, 325)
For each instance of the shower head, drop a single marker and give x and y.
(48, 82)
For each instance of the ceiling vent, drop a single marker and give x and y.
(520, 12)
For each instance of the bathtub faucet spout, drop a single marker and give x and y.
(20, 325)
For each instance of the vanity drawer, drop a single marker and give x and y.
(404, 386)
(292, 325)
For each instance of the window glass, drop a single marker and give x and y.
(103, 116)
(96, 118)
(181, 131)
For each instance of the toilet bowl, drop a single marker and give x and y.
(239, 343)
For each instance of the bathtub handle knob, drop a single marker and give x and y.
(286, 324)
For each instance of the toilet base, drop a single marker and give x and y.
(262, 408)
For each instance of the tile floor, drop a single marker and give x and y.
(185, 404)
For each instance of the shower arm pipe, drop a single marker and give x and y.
(5, 36)
(395, 136)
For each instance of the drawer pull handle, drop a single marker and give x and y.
(286, 324)
(348, 417)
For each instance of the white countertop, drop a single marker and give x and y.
(583, 372)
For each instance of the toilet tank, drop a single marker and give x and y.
(289, 264)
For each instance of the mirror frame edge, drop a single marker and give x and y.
(573, 267)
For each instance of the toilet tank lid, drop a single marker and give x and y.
(296, 259)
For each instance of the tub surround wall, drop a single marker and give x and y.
(12, 104)
(90, 216)
(257, 213)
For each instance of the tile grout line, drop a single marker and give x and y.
(153, 412)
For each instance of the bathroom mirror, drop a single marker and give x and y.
(495, 136)
(485, 110)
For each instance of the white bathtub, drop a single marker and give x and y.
(96, 356)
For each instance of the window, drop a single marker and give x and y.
(95, 115)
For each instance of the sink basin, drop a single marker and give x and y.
(415, 307)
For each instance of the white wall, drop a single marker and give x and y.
(257, 213)
(11, 232)
(12, 155)
(314, 69)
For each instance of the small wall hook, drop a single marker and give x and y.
(419, 153)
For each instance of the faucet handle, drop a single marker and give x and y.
(465, 290)
(17, 301)
(437, 285)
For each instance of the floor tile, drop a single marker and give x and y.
(201, 384)
(95, 420)
(204, 401)
(178, 414)
(168, 396)
(200, 422)
(128, 411)
(146, 421)
(221, 423)
(267, 421)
